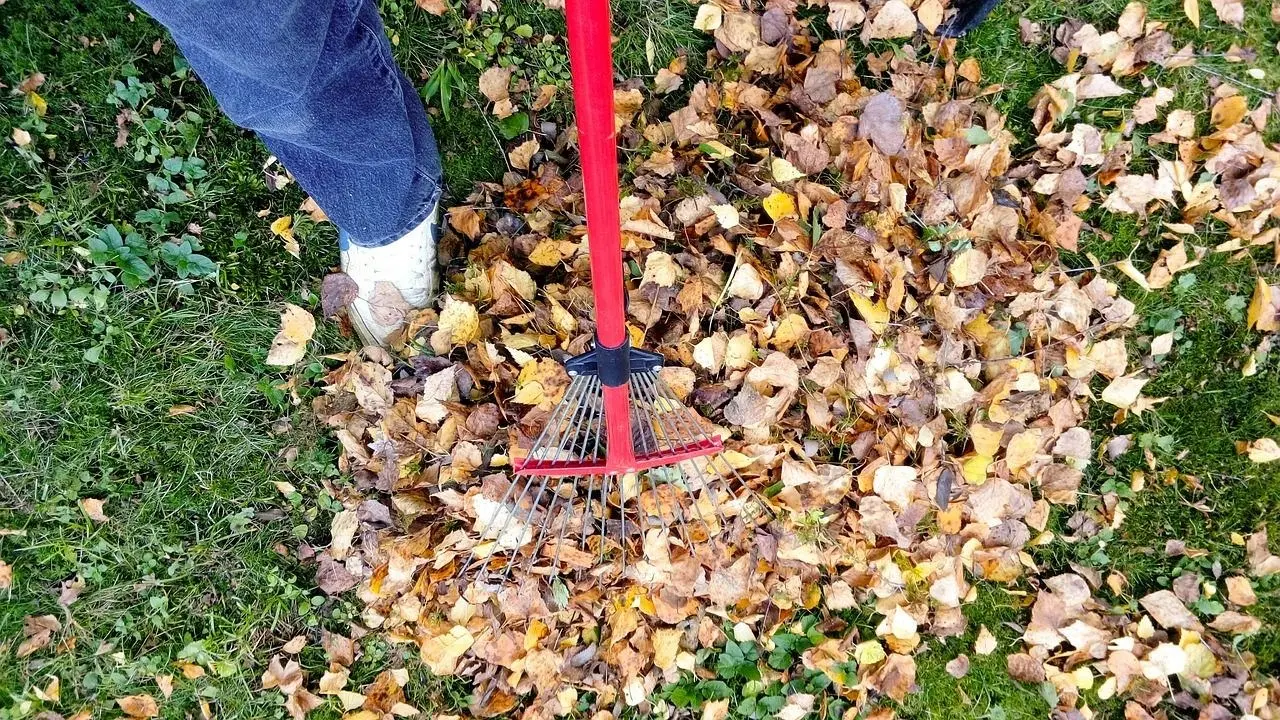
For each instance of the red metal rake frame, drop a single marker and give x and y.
(591, 62)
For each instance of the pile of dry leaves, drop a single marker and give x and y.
(860, 275)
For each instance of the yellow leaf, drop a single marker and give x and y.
(739, 352)
(442, 652)
(780, 205)
(709, 18)
(874, 314)
(1261, 315)
(1192, 9)
(460, 321)
(283, 227)
(784, 171)
(869, 652)
(549, 253)
(290, 344)
(1228, 111)
(791, 330)
(986, 438)
(1126, 267)
(516, 279)
(37, 103)
(974, 468)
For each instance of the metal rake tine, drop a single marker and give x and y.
(575, 406)
(594, 410)
(564, 525)
(555, 419)
(692, 420)
(694, 499)
(692, 427)
(595, 452)
(604, 511)
(542, 530)
(566, 443)
(678, 509)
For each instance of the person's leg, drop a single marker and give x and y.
(316, 80)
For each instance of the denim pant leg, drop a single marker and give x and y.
(316, 80)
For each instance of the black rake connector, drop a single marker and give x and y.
(613, 365)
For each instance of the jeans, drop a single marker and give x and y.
(316, 81)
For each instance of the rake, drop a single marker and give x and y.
(620, 455)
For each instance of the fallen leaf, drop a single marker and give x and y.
(894, 20)
(435, 7)
(882, 119)
(138, 706)
(1167, 610)
(37, 633)
(282, 227)
(93, 508)
(337, 291)
(746, 283)
(780, 205)
(1264, 450)
(1024, 668)
(495, 83)
(290, 343)
(1123, 391)
(459, 323)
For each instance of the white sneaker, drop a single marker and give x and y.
(393, 280)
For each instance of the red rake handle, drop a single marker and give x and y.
(591, 62)
(592, 65)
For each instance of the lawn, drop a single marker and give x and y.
(147, 388)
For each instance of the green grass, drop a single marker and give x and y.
(190, 563)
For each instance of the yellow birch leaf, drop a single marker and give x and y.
(874, 314)
(974, 468)
(460, 319)
(780, 205)
(784, 171)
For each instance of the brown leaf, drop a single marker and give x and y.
(1230, 12)
(138, 706)
(465, 220)
(1165, 608)
(1024, 668)
(494, 83)
(337, 290)
(1240, 591)
(882, 121)
(37, 632)
(93, 508)
(435, 7)
(332, 577)
(1236, 623)
(959, 667)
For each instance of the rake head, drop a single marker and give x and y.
(613, 462)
